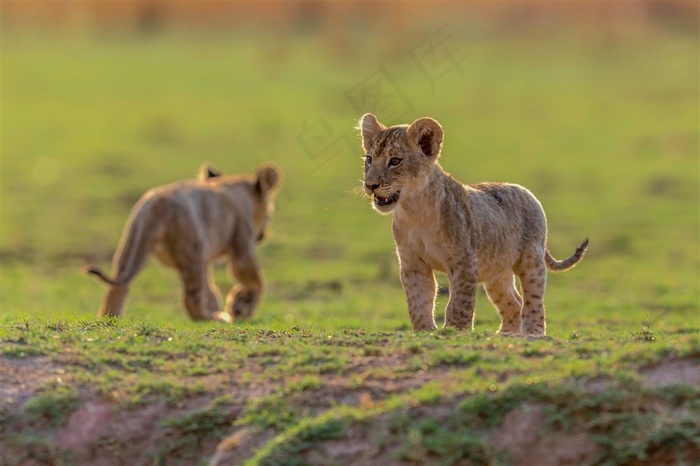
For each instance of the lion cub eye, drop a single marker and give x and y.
(368, 160)
(395, 161)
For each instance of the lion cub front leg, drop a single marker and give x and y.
(418, 282)
(464, 280)
(243, 298)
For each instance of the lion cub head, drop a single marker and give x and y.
(398, 159)
(261, 189)
(267, 180)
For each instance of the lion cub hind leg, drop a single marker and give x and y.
(114, 301)
(505, 297)
(196, 291)
(532, 272)
(213, 293)
(189, 262)
(129, 259)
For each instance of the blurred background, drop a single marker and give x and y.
(594, 106)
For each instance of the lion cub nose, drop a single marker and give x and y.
(371, 187)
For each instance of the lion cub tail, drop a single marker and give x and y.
(99, 274)
(569, 262)
(134, 246)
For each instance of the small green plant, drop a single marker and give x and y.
(645, 333)
(171, 391)
(287, 448)
(187, 432)
(272, 411)
(52, 408)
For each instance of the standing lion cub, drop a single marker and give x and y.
(189, 225)
(478, 233)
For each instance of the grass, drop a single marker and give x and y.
(605, 135)
(458, 401)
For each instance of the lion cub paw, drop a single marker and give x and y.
(222, 316)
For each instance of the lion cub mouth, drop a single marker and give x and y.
(381, 201)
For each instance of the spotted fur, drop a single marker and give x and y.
(188, 226)
(487, 232)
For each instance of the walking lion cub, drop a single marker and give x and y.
(188, 226)
(485, 232)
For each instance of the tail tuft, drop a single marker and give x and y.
(581, 249)
(570, 261)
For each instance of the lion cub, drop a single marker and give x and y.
(189, 225)
(477, 233)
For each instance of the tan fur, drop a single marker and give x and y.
(479, 233)
(188, 226)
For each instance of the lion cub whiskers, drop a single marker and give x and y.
(487, 232)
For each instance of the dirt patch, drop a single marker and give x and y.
(597, 385)
(84, 429)
(358, 447)
(527, 439)
(135, 428)
(98, 433)
(21, 377)
(671, 372)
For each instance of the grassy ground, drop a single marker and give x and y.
(604, 133)
(116, 392)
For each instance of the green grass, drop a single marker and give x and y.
(605, 134)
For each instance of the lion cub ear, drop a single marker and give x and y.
(427, 134)
(268, 177)
(207, 172)
(369, 129)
